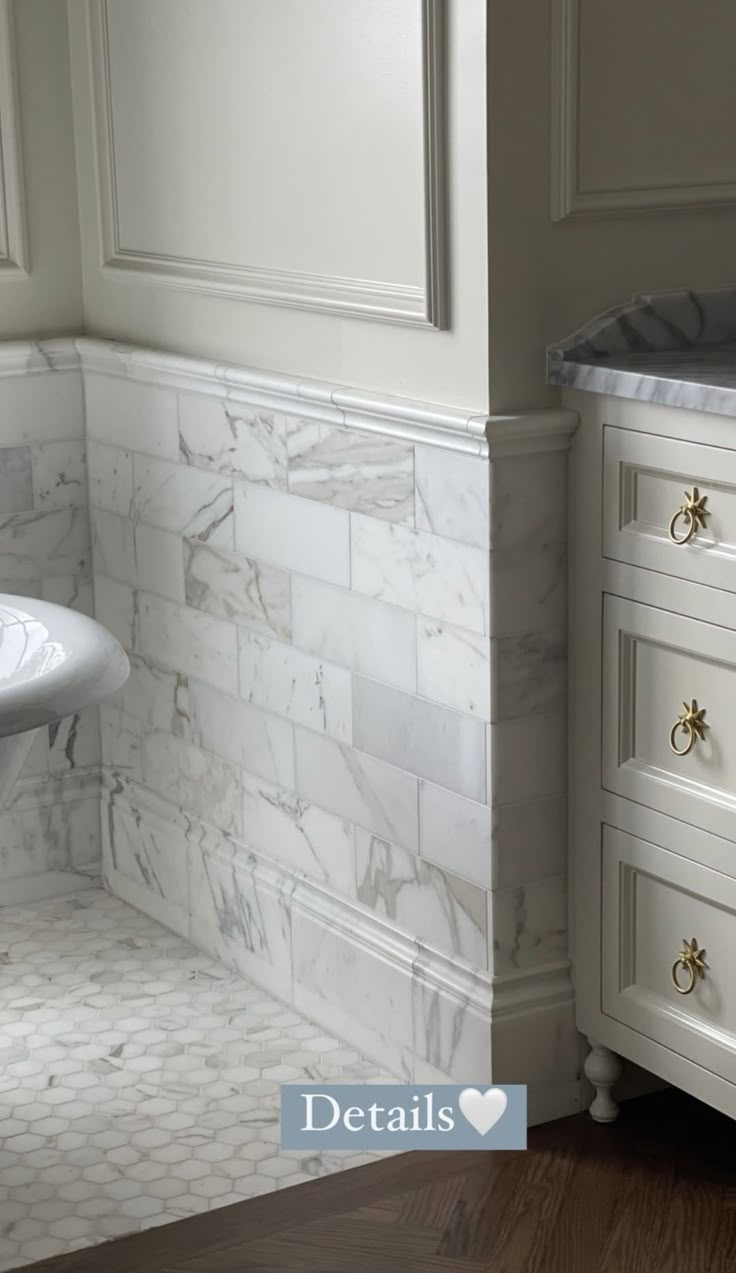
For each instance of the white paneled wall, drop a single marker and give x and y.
(321, 213)
(621, 179)
(40, 272)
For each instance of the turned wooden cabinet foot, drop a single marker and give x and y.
(603, 1069)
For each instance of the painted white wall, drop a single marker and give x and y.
(228, 148)
(653, 131)
(258, 135)
(44, 295)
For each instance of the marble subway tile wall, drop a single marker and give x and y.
(50, 828)
(302, 745)
(529, 755)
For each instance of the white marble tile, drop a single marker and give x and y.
(531, 674)
(377, 796)
(361, 471)
(529, 589)
(16, 479)
(110, 478)
(160, 562)
(74, 591)
(60, 474)
(194, 780)
(541, 1048)
(454, 667)
(529, 536)
(156, 697)
(452, 494)
(365, 635)
(141, 555)
(44, 543)
(297, 534)
(230, 437)
(116, 607)
(185, 500)
(306, 838)
(188, 641)
(439, 577)
(74, 742)
(339, 982)
(239, 920)
(451, 1040)
(529, 925)
(237, 588)
(113, 546)
(443, 910)
(529, 841)
(285, 681)
(245, 736)
(147, 851)
(37, 761)
(530, 758)
(132, 415)
(120, 741)
(455, 833)
(428, 740)
(41, 408)
(51, 837)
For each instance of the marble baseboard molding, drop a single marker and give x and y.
(422, 1014)
(36, 790)
(29, 889)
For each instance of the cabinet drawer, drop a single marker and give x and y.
(645, 481)
(652, 900)
(654, 662)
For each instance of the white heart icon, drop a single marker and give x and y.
(482, 1109)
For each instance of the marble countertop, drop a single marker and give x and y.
(676, 348)
(703, 381)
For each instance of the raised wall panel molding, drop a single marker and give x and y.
(425, 306)
(568, 199)
(13, 231)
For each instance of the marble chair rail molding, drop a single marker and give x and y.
(339, 762)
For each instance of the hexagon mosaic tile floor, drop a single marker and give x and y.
(138, 1079)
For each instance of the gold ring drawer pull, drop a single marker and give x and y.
(693, 512)
(692, 961)
(693, 724)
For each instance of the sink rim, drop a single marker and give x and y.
(94, 665)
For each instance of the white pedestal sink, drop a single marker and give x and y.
(53, 662)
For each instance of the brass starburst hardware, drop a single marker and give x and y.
(692, 722)
(692, 959)
(693, 512)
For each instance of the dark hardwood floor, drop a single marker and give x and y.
(655, 1193)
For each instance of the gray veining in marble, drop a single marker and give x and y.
(677, 349)
(16, 480)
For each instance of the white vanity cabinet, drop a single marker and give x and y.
(653, 744)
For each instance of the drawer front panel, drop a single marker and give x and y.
(652, 900)
(645, 481)
(655, 662)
